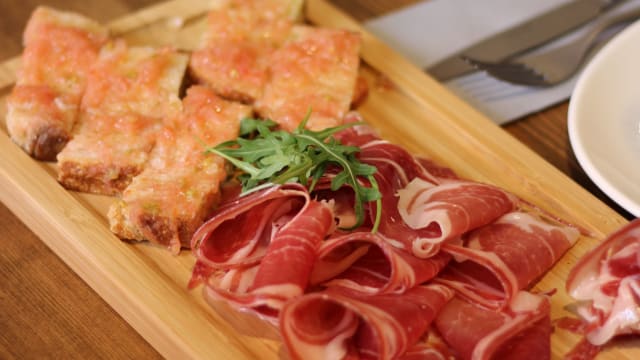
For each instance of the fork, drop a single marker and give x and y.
(555, 65)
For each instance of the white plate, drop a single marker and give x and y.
(604, 119)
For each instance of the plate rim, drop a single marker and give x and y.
(582, 154)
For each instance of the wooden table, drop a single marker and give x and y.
(48, 311)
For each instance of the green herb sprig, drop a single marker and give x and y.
(268, 156)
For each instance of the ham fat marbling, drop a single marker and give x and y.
(498, 260)
(339, 322)
(450, 208)
(282, 253)
(519, 331)
(607, 282)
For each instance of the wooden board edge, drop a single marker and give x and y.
(8, 72)
(172, 345)
(115, 271)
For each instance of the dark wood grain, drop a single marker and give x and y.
(546, 133)
(49, 312)
(46, 310)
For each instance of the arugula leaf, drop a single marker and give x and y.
(276, 156)
(248, 125)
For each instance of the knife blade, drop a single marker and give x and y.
(522, 37)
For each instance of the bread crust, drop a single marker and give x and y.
(233, 58)
(180, 186)
(43, 106)
(130, 92)
(315, 72)
(96, 178)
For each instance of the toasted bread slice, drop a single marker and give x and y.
(129, 93)
(141, 80)
(103, 159)
(241, 34)
(43, 106)
(177, 190)
(315, 71)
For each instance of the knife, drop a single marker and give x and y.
(524, 36)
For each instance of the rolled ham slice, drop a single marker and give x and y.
(391, 224)
(498, 260)
(369, 263)
(607, 281)
(400, 162)
(241, 229)
(374, 149)
(340, 323)
(450, 209)
(520, 331)
(283, 273)
(432, 347)
(396, 168)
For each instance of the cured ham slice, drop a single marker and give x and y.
(370, 264)
(404, 166)
(450, 209)
(432, 347)
(283, 273)
(437, 170)
(180, 185)
(391, 226)
(395, 169)
(424, 352)
(391, 160)
(356, 135)
(395, 228)
(500, 259)
(520, 331)
(240, 231)
(337, 323)
(607, 280)
(42, 109)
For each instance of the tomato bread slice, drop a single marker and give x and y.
(180, 185)
(130, 92)
(42, 108)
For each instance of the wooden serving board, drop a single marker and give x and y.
(147, 286)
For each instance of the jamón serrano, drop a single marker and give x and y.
(607, 282)
(498, 260)
(519, 331)
(371, 264)
(340, 323)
